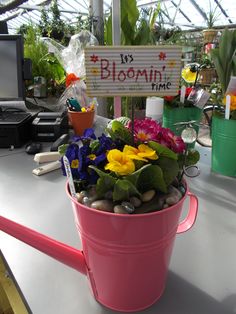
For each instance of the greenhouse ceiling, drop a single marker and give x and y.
(186, 14)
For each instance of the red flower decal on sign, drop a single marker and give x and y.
(162, 56)
(94, 58)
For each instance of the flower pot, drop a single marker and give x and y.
(81, 120)
(207, 76)
(128, 255)
(176, 115)
(223, 146)
(209, 35)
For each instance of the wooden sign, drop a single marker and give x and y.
(132, 70)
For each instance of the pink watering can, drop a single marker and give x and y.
(125, 257)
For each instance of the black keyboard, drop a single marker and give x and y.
(13, 117)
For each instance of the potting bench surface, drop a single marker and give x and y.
(201, 277)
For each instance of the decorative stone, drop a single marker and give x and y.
(147, 196)
(119, 209)
(84, 193)
(104, 205)
(182, 189)
(135, 201)
(79, 197)
(171, 200)
(86, 201)
(128, 207)
(173, 196)
(154, 205)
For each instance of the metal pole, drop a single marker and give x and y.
(116, 34)
(97, 20)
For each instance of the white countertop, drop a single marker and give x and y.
(202, 271)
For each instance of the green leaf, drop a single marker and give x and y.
(119, 131)
(191, 159)
(103, 185)
(234, 66)
(94, 145)
(127, 31)
(130, 9)
(143, 36)
(218, 66)
(62, 149)
(123, 190)
(154, 14)
(170, 169)
(151, 178)
(133, 177)
(225, 47)
(108, 30)
(233, 115)
(102, 173)
(223, 57)
(162, 150)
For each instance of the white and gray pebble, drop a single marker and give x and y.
(79, 197)
(173, 196)
(119, 209)
(128, 207)
(148, 196)
(104, 205)
(86, 201)
(135, 201)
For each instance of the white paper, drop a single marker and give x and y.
(227, 107)
(69, 176)
(182, 94)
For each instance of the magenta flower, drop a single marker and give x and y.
(145, 130)
(172, 141)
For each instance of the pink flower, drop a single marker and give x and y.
(145, 130)
(150, 130)
(172, 141)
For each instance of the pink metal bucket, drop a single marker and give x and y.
(128, 255)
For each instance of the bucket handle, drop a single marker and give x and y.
(189, 221)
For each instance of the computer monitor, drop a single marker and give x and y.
(12, 89)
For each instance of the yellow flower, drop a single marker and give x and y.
(92, 156)
(171, 63)
(232, 101)
(83, 109)
(140, 153)
(119, 162)
(188, 75)
(75, 164)
(95, 71)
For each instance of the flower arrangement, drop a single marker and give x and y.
(175, 101)
(133, 168)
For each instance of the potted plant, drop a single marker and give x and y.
(123, 182)
(176, 112)
(224, 130)
(44, 64)
(212, 15)
(207, 73)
